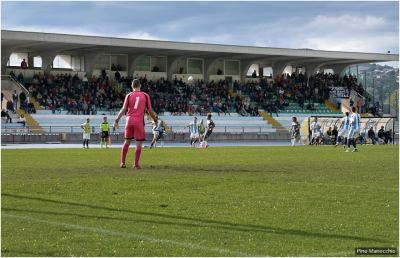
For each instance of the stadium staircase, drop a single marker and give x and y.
(275, 124)
(331, 106)
(31, 123)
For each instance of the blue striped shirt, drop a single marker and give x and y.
(345, 122)
(355, 121)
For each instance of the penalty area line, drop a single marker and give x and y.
(128, 235)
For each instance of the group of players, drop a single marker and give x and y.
(199, 133)
(136, 104)
(349, 130)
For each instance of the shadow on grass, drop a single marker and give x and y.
(209, 223)
(183, 169)
(22, 253)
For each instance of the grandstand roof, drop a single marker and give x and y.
(38, 42)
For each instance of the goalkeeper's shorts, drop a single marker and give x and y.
(135, 131)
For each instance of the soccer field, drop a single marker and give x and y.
(225, 201)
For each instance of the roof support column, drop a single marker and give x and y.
(208, 64)
(30, 60)
(5, 56)
(133, 63)
(47, 60)
(245, 65)
(339, 69)
(312, 69)
(171, 62)
(90, 61)
(278, 68)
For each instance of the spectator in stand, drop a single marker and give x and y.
(358, 106)
(20, 78)
(2, 97)
(10, 105)
(113, 67)
(4, 113)
(22, 99)
(254, 74)
(31, 108)
(371, 135)
(15, 99)
(117, 76)
(24, 65)
(22, 120)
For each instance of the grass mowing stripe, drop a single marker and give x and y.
(346, 186)
(129, 235)
(219, 224)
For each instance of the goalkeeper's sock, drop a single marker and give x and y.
(125, 148)
(138, 152)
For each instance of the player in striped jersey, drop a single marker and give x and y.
(354, 131)
(158, 131)
(344, 129)
(316, 132)
(295, 131)
(194, 132)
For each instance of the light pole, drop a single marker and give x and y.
(373, 86)
(373, 89)
(365, 81)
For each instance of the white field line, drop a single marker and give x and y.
(349, 186)
(129, 235)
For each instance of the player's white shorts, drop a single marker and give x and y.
(353, 133)
(86, 136)
(316, 135)
(194, 135)
(343, 132)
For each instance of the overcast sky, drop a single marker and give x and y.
(346, 26)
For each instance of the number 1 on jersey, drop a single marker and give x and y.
(136, 103)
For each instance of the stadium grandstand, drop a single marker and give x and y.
(52, 82)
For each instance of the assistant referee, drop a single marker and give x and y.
(105, 132)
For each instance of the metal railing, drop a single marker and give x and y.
(5, 128)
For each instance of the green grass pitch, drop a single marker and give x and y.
(222, 201)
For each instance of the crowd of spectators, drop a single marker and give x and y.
(88, 95)
(278, 93)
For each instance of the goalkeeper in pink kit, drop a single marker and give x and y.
(135, 105)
